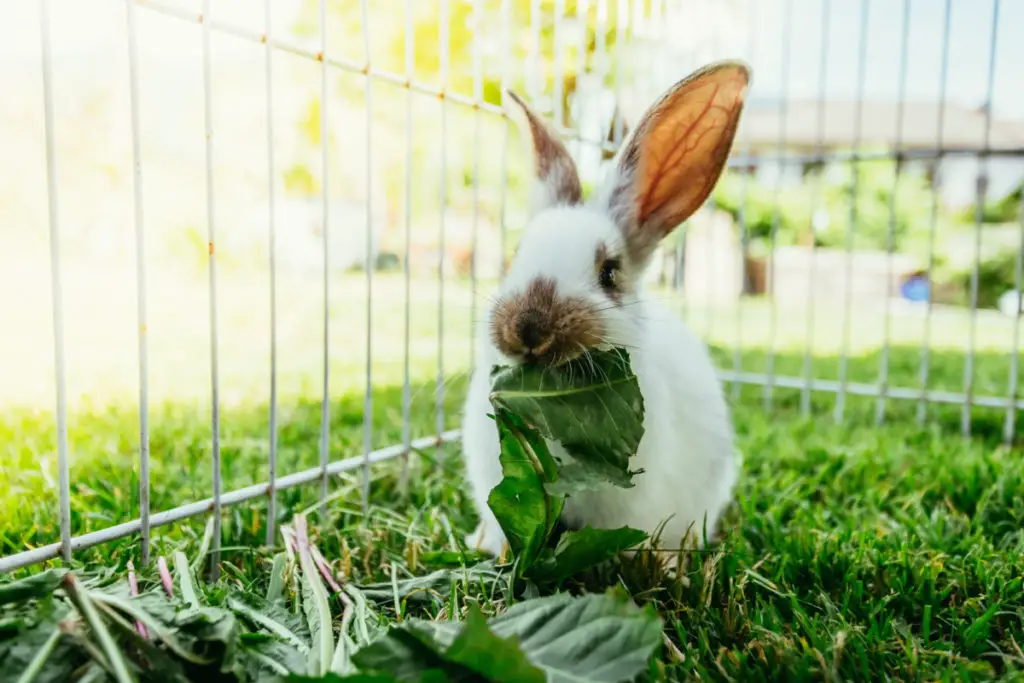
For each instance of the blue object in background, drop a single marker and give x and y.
(915, 288)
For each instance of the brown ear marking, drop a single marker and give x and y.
(553, 164)
(678, 151)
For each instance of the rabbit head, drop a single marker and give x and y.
(577, 270)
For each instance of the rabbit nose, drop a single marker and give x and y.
(531, 332)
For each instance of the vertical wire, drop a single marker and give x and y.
(478, 96)
(621, 27)
(63, 469)
(140, 283)
(443, 199)
(922, 405)
(737, 356)
(787, 29)
(212, 241)
(557, 92)
(982, 187)
(819, 149)
(272, 236)
(582, 19)
(883, 374)
(368, 400)
(1010, 423)
(325, 407)
(535, 52)
(600, 57)
(506, 49)
(407, 271)
(844, 356)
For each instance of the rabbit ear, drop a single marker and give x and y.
(675, 155)
(557, 180)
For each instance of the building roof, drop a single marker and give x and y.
(962, 127)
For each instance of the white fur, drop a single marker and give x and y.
(687, 454)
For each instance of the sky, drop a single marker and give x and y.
(970, 38)
(83, 26)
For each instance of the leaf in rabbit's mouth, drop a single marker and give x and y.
(592, 407)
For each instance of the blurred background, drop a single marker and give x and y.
(857, 231)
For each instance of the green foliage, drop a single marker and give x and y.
(568, 403)
(1005, 210)
(854, 552)
(865, 189)
(558, 639)
(527, 512)
(571, 404)
(231, 635)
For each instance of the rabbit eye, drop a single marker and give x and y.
(609, 276)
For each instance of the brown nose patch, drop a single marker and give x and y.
(538, 325)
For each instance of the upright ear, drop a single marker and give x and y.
(675, 155)
(557, 181)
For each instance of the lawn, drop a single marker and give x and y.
(853, 552)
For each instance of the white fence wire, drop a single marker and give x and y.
(634, 17)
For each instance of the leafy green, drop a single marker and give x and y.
(599, 638)
(593, 409)
(434, 587)
(36, 586)
(592, 406)
(526, 511)
(580, 550)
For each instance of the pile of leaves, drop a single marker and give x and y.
(61, 625)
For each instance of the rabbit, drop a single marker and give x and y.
(575, 284)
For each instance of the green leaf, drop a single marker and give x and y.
(404, 655)
(592, 406)
(579, 550)
(594, 638)
(184, 572)
(275, 591)
(335, 678)
(80, 597)
(274, 621)
(318, 614)
(525, 511)
(600, 637)
(214, 635)
(36, 586)
(435, 586)
(496, 659)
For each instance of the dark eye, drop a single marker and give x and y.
(609, 277)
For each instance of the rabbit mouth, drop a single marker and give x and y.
(538, 327)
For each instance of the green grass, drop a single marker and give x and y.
(853, 551)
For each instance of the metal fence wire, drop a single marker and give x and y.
(781, 135)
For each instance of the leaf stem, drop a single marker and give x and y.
(80, 597)
(37, 663)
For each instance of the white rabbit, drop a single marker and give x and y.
(575, 284)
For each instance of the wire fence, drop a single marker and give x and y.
(635, 22)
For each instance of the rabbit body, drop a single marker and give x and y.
(576, 284)
(686, 452)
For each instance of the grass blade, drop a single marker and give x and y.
(80, 597)
(341, 663)
(37, 663)
(204, 547)
(268, 623)
(151, 624)
(275, 591)
(188, 589)
(318, 610)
